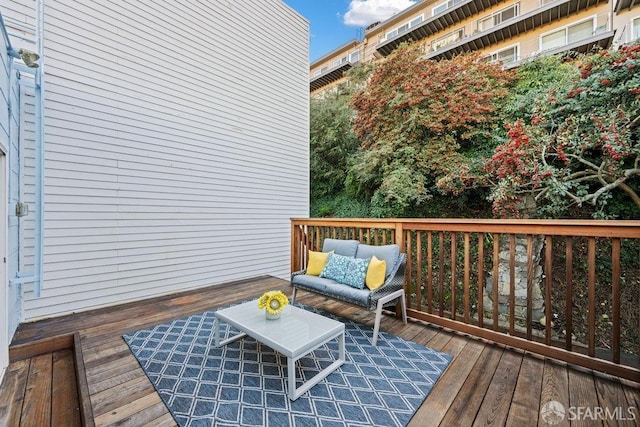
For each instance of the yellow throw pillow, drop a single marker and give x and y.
(375, 273)
(317, 260)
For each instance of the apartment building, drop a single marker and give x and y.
(503, 30)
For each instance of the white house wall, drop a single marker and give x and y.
(176, 139)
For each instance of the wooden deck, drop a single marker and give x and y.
(486, 384)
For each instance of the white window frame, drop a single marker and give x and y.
(496, 52)
(419, 19)
(592, 18)
(515, 6)
(448, 5)
(633, 37)
(446, 36)
(355, 52)
(341, 61)
(409, 24)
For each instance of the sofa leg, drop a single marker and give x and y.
(293, 296)
(403, 304)
(376, 325)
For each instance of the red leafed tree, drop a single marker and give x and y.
(580, 146)
(420, 121)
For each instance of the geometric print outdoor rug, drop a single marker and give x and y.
(244, 382)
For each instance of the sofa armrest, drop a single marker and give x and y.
(298, 273)
(393, 283)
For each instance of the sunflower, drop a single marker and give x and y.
(273, 301)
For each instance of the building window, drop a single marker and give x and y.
(570, 34)
(498, 17)
(444, 6)
(354, 56)
(403, 28)
(452, 37)
(636, 29)
(505, 56)
(340, 61)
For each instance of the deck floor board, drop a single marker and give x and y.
(486, 384)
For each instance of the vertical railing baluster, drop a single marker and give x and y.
(441, 272)
(454, 253)
(496, 273)
(467, 297)
(591, 255)
(569, 297)
(293, 249)
(429, 272)
(547, 289)
(529, 286)
(419, 270)
(615, 287)
(408, 271)
(512, 283)
(480, 279)
(312, 240)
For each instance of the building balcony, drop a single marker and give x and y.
(546, 14)
(330, 76)
(436, 23)
(601, 40)
(621, 5)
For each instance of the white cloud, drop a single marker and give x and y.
(364, 12)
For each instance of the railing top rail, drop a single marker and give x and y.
(551, 227)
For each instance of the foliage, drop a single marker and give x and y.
(333, 143)
(340, 205)
(419, 121)
(580, 143)
(535, 81)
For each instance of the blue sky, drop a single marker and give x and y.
(335, 22)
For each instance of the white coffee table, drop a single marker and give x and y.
(295, 334)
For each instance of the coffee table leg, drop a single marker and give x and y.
(294, 392)
(216, 331)
(291, 371)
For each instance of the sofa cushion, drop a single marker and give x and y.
(347, 293)
(336, 267)
(387, 253)
(356, 272)
(314, 283)
(341, 247)
(376, 272)
(317, 261)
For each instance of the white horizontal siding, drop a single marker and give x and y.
(176, 147)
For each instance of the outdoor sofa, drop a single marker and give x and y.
(390, 276)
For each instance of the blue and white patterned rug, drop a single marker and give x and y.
(244, 383)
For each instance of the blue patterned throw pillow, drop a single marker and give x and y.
(356, 272)
(336, 267)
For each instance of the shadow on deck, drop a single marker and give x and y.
(486, 384)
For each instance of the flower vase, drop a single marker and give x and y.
(270, 316)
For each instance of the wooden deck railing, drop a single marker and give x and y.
(564, 289)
